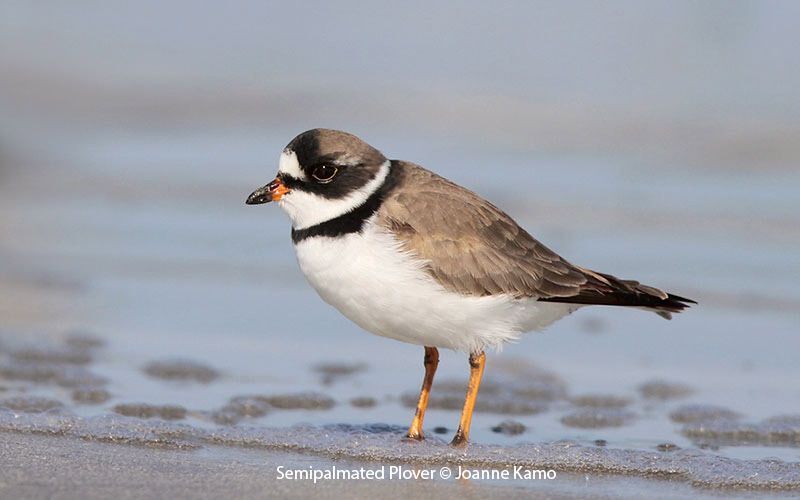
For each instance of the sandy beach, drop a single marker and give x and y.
(42, 466)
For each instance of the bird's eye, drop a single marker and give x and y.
(324, 173)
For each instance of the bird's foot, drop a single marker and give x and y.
(459, 440)
(415, 434)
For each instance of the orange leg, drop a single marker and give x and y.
(476, 363)
(431, 362)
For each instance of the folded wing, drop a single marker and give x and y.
(473, 248)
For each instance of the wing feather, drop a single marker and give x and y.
(473, 248)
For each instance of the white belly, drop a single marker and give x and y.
(385, 291)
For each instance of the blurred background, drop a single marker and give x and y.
(652, 140)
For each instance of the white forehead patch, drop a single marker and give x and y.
(288, 164)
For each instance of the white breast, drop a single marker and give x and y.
(385, 290)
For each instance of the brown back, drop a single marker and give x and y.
(473, 248)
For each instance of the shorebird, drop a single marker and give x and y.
(407, 254)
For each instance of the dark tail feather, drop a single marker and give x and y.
(606, 290)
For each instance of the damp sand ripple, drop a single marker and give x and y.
(385, 443)
(181, 369)
(783, 430)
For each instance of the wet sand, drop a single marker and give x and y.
(55, 467)
(51, 466)
(62, 467)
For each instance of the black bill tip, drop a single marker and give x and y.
(260, 196)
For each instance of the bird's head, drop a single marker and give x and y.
(323, 174)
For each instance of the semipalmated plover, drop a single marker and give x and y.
(409, 255)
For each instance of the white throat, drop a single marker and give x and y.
(308, 209)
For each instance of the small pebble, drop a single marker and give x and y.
(667, 447)
(509, 428)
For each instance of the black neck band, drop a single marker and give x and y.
(352, 221)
